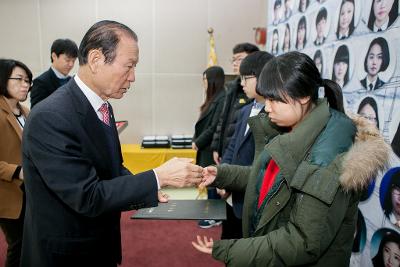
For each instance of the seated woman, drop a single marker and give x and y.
(15, 83)
(376, 60)
(302, 190)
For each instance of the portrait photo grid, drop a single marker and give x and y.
(356, 44)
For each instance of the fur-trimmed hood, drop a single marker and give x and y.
(367, 157)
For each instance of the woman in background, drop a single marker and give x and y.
(389, 251)
(301, 39)
(340, 73)
(383, 13)
(15, 83)
(376, 60)
(210, 110)
(368, 109)
(345, 25)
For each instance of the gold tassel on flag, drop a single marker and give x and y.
(212, 55)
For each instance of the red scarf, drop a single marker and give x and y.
(269, 178)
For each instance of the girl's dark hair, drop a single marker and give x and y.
(342, 55)
(370, 101)
(351, 26)
(6, 68)
(394, 237)
(294, 75)
(392, 14)
(302, 21)
(385, 53)
(284, 34)
(387, 203)
(215, 83)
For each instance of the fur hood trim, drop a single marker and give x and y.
(368, 156)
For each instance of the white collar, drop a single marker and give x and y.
(371, 82)
(383, 27)
(94, 100)
(58, 74)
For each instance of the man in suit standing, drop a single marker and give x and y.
(76, 185)
(240, 150)
(63, 55)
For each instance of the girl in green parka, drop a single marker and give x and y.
(312, 162)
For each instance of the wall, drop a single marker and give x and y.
(173, 43)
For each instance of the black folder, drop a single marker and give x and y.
(185, 210)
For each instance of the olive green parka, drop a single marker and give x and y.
(309, 216)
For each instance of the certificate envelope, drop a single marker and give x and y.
(185, 210)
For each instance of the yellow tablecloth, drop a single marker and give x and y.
(138, 159)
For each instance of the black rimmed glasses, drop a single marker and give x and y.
(244, 78)
(21, 80)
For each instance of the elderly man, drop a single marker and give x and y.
(76, 185)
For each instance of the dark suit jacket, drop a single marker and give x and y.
(323, 41)
(73, 202)
(205, 128)
(240, 151)
(378, 83)
(43, 86)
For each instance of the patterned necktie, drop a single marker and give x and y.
(105, 112)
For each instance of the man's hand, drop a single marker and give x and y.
(216, 157)
(162, 197)
(204, 245)
(179, 172)
(209, 175)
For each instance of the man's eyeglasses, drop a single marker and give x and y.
(234, 60)
(21, 80)
(244, 78)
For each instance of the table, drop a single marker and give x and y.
(138, 159)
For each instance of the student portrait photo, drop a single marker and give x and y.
(385, 248)
(301, 37)
(303, 4)
(382, 15)
(376, 60)
(341, 63)
(288, 9)
(275, 42)
(286, 39)
(319, 62)
(389, 195)
(368, 109)
(345, 24)
(278, 14)
(321, 26)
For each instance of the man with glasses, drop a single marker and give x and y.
(63, 55)
(240, 150)
(234, 100)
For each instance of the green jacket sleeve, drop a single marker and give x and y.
(312, 226)
(232, 177)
